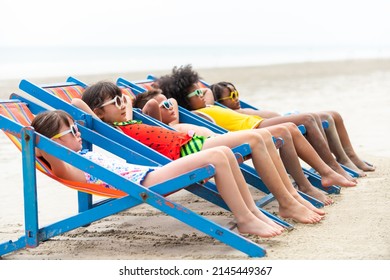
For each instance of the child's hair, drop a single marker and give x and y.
(218, 88)
(49, 123)
(142, 98)
(95, 95)
(178, 83)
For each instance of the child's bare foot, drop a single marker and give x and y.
(344, 173)
(267, 220)
(255, 226)
(310, 206)
(364, 166)
(334, 178)
(321, 196)
(299, 213)
(348, 163)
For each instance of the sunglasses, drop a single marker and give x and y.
(118, 100)
(197, 92)
(73, 129)
(233, 95)
(167, 104)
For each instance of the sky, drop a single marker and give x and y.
(201, 22)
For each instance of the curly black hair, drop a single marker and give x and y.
(178, 83)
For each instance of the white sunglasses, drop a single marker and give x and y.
(73, 129)
(118, 100)
(167, 104)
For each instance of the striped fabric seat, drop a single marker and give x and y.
(67, 93)
(19, 112)
(146, 85)
(127, 91)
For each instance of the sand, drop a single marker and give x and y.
(355, 228)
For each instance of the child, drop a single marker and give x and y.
(182, 85)
(154, 103)
(105, 100)
(336, 134)
(60, 127)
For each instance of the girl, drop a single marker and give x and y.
(336, 134)
(105, 100)
(182, 85)
(60, 127)
(155, 104)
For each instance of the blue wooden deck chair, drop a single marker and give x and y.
(203, 84)
(73, 88)
(15, 117)
(243, 104)
(189, 117)
(59, 95)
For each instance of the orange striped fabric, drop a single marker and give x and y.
(146, 85)
(127, 91)
(201, 85)
(20, 113)
(67, 93)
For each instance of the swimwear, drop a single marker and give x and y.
(165, 141)
(135, 173)
(230, 119)
(193, 146)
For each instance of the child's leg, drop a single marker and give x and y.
(336, 118)
(283, 174)
(289, 207)
(291, 162)
(319, 125)
(336, 146)
(314, 136)
(226, 184)
(234, 139)
(307, 153)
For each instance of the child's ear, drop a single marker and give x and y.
(99, 112)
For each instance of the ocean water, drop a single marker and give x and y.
(32, 62)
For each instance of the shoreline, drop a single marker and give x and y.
(356, 225)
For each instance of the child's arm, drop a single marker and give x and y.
(79, 103)
(129, 107)
(176, 109)
(62, 169)
(208, 96)
(152, 108)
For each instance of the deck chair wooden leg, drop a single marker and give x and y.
(84, 201)
(30, 190)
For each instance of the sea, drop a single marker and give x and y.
(50, 61)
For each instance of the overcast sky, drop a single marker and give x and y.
(120, 22)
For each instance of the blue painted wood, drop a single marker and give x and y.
(249, 173)
(137, 194)
(104, 129)
(29, 190)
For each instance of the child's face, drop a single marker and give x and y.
(71, 140)
(229, 98)
(113, 112)
(167, 115)
(195, 97)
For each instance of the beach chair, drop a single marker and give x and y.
(187, 116)
(73, 88)
(148, 82)
(15, 117)
(249, 172)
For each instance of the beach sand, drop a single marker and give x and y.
(356, 226)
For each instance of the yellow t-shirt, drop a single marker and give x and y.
(230, 119)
